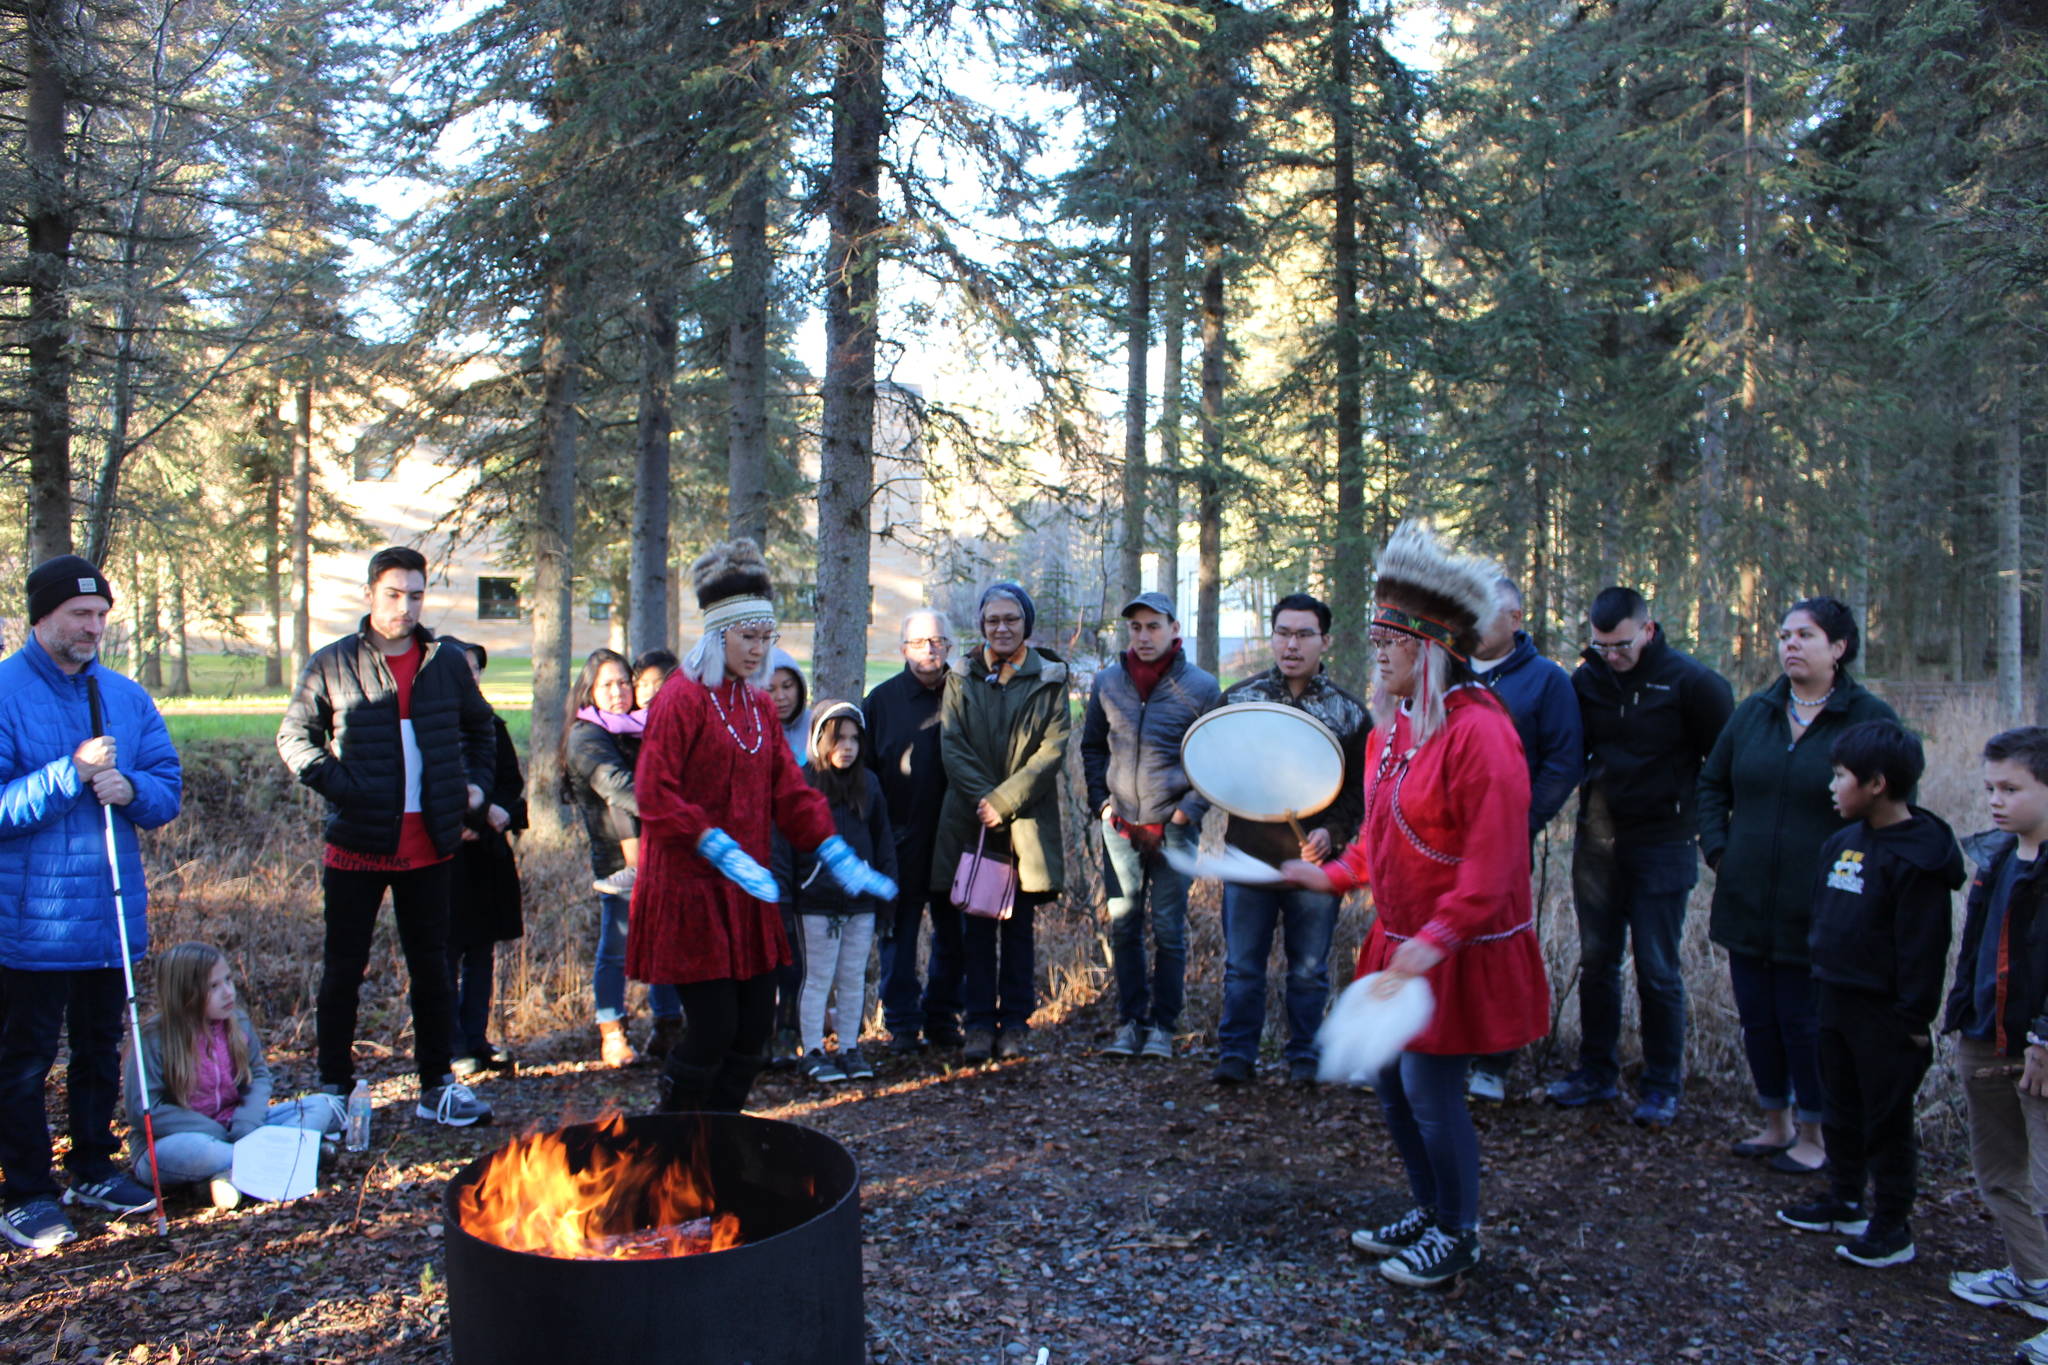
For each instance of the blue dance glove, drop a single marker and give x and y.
(742, 871)
(850, 872)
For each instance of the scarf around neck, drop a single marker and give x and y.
(615, 722)
(1146, 676)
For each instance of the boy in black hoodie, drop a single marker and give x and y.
(1879, 947)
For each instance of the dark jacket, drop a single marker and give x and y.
(808, 889)
(340, 737)
(1005, 743)
(1541, 701)
(1765, 812)
(903, 748)
(484, 902)
(1350, 721)
(1130, 746)
(1647, 733)
(1881, 912)
(600, 781)
(2025, 1002)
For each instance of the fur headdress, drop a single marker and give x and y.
(731, 568)
(1428, 590)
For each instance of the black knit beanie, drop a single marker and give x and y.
(56, 581)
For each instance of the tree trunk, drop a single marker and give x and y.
(180, 684)
(647, 578)
(2011, 703)
(1137, 351)
(48, 215)
(149, 650)
(1173, 322)
(1209, 488)
(1349, 587)
(273, 578)
(853, 253)
(551, 538)
(746, 362)
(301, 448)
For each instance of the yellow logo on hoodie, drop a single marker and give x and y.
(1847, 873)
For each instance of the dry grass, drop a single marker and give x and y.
(241, 870)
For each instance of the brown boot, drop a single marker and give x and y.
(614, 1050)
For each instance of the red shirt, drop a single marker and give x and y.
(415, 845)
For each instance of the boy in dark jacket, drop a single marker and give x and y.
(1999, 1007)
(1878, 943)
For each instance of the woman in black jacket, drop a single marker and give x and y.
(600, 744)
(1764, 814)
(484, 904)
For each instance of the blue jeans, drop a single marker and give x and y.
(36, 1008)
(1780, 1032)
(1632, 894)
(1127, 875)
(1423, 1098)
(469, 976)
(946, 973)
(187, 1158)
(1002, 966)
(1306, 920)
(608, 967)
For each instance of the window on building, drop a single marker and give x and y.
(497, 599)
(601, 605)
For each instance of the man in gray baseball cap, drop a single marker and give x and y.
(1139, 709)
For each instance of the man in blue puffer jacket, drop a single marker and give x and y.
(60, 950)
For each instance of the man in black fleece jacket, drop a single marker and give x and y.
(1879, 945)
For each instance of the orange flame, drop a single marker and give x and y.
(627, 1201)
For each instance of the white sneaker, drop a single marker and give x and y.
(620, 883)
(453, 1104)
(1128, 1040)
(2001, 1288)
(1158, 1045)
(1485, 1085)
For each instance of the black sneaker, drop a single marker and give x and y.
(1880, 1245)
(855, 1064)
(114, 1192)
(1232, 1071)
(1389, 1238)
(1826, 1214)
(1438, 1258)
(37, 1223)
(980, 1045)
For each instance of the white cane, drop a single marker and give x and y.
(163, 1224)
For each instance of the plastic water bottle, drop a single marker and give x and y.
(358, 1139)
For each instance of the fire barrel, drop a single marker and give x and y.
(789, 1292)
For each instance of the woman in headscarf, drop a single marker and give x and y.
(1445, 848)
(1003, 726)
(715, 779)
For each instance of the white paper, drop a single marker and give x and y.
(1366, 1031)
(1229, 865)
(277, 1163)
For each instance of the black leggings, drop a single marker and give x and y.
(726, 1016)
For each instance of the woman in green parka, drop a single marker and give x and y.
(1003, 726)
(1765, 811)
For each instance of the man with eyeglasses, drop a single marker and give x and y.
(1305, 919)
(903, 749)
(1651, 716)
(1138, 711)
(1538, 696)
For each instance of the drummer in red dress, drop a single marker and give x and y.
(715, 778)
(1445, 847)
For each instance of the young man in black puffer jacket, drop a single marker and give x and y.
(390, 727)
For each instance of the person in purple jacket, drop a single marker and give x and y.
(76, 740)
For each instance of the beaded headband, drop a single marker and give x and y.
(1421, 627)
(735, 611)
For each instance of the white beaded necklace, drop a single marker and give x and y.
(760, 730)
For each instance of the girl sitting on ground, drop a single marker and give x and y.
(209, 1086)
(838, 928)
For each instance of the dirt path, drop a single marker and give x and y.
(1104, 1212)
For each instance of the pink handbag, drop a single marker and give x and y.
(984, 884)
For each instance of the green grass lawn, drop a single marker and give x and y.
(230, 701)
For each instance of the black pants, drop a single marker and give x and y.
(419, 904)
(1871, 1064)
(470, 974)
(724, 1045)
(40, 1006)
